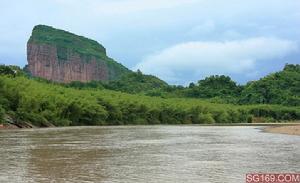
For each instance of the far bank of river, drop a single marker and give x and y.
(291, 128)
(283, 129)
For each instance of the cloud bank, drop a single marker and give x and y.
(200, 59)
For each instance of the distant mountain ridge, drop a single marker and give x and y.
(62, 56)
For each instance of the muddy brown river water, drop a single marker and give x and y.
(167, 154)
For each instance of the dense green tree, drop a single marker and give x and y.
(6, 70)
(278, 88)
(136, 82)
(214, 86)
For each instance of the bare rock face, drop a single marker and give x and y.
(43, 62)
(61, 56)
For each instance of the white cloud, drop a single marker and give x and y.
(199, 59)
(117, 7)
(207, 27)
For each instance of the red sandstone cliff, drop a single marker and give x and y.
(43, 62)
(62, 56)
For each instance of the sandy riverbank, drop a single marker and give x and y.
(8, 126)
(290, 130)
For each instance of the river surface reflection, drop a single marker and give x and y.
(144, 154)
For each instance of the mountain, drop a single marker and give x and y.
(62, 56)
(282, 87)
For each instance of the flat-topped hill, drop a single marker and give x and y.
(62, 56)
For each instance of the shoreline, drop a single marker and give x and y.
(284, 129)
(269, 127)
(290, 128)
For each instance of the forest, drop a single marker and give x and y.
(281, 88)
(144, 99)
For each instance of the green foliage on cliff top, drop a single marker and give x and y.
(43, 34)
(86, 48)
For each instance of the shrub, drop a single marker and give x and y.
(2, 112)
(206, 118)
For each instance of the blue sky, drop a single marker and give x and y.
(179, 41)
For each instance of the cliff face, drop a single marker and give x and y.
(64, 57)
(43, 62)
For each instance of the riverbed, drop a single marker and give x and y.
(164, 154)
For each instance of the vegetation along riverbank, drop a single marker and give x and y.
(27, 101)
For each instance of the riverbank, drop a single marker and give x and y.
(9, 126)
(11, 123)
(269, 127)
(284, 129)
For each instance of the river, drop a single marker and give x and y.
(167, 154)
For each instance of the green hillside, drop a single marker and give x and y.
(42, 103)
(278, 88)
(134, 82)
(282, 88)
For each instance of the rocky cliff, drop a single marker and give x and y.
(61, 56)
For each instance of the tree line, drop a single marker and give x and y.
(43, 103)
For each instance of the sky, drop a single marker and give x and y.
(180, 41)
